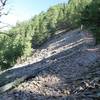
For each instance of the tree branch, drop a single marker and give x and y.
(3, 2)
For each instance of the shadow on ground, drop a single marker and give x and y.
(11, 75)
(70, 66)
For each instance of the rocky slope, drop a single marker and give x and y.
(65, 68)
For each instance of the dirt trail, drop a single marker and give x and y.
(64, 68)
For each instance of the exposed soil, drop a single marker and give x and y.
(65, 68)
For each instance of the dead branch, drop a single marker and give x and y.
(3, 2)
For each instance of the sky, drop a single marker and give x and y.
(20, 10)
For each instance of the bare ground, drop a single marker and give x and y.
(65, 68)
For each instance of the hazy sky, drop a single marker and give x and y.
(24, 9)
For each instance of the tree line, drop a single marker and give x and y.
(19, 41)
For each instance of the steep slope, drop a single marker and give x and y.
(63, 68)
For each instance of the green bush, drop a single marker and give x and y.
(11, 48)
(91, 18)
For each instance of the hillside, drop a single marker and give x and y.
(17, 44)
(55, 55)
(64, 67)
